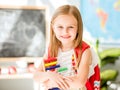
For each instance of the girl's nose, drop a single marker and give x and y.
(65, 30)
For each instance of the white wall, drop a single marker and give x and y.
(51, 4)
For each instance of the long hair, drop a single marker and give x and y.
(65, 10)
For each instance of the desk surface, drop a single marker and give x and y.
(17, 76)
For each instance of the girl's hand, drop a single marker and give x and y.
(58, 79)
(49, 84)
(69, 78)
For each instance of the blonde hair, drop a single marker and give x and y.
(54, 42)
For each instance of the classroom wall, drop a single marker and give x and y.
(51, 5)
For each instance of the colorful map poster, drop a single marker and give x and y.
(101, 20)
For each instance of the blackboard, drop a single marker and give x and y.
(22, 31)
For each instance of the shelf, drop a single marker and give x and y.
(17, 76)
(4, 62)
(12, 59)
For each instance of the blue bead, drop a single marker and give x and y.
(54, 88)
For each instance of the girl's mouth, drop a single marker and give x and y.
(65, 37)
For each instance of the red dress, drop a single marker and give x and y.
(93, 82)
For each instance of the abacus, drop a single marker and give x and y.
(51, 64)
(74, 63)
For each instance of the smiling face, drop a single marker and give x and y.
(65, 28)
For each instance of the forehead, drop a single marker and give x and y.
(65, 19)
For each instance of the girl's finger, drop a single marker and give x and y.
(67, 78)
(63, 84)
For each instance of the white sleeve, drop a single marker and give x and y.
(95, 61)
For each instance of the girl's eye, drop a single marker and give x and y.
(60, 27)
(71, 27)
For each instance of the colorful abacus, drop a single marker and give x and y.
(73, 63)
(51, 64)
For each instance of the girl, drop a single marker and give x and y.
(73, 55)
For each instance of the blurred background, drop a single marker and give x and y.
(24, 32)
